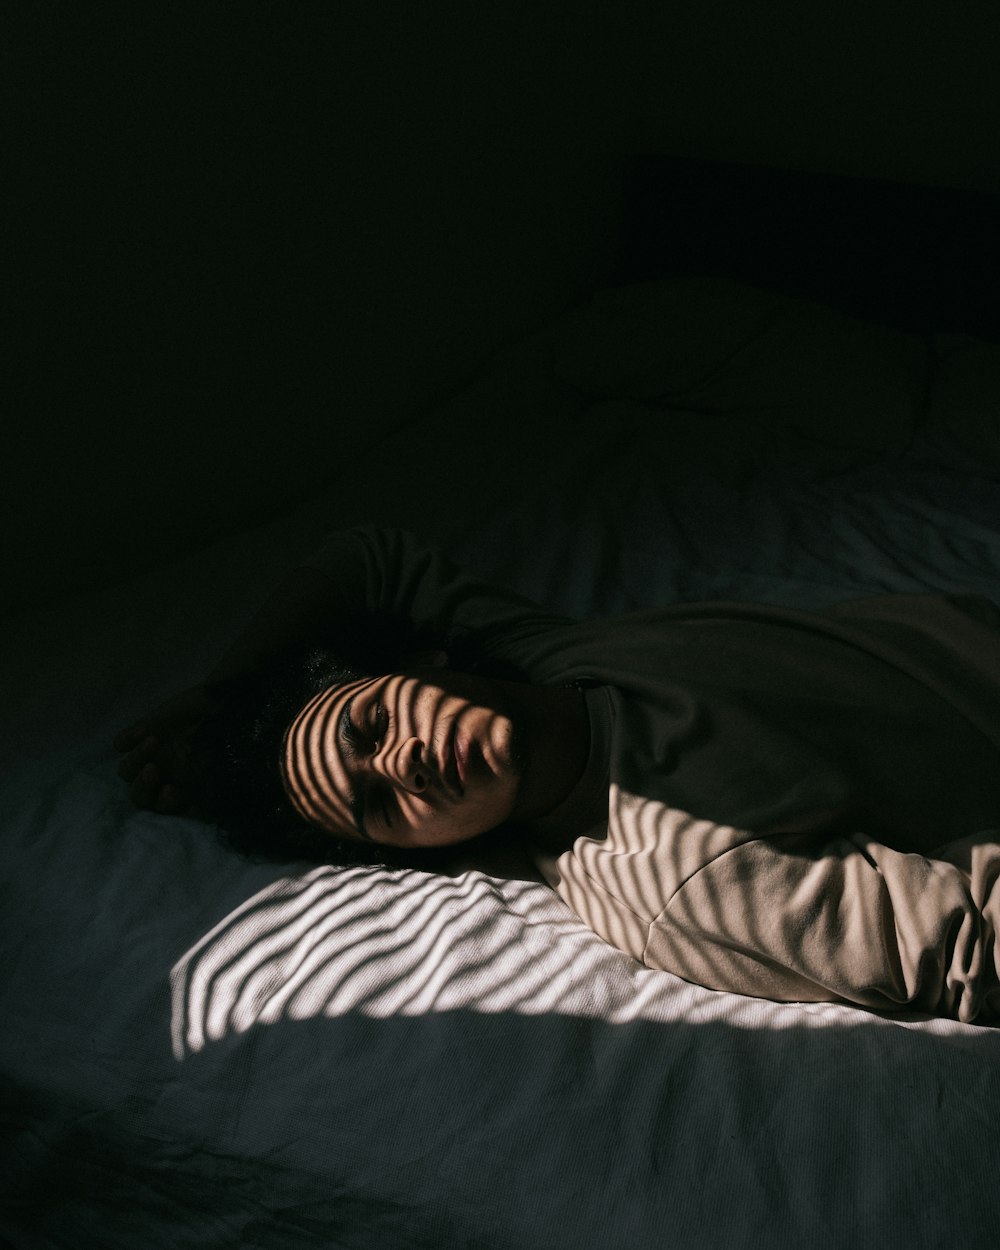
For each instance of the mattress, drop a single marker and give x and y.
(198, 1051)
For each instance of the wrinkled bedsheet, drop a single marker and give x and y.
(200, 1052)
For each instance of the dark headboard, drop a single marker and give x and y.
(922, 259)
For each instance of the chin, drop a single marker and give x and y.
(517, 750)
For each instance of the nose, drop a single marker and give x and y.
(406, 767)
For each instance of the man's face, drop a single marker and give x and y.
(419, 759)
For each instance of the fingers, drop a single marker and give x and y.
(149, 789)
(137, 758)
(151, 793)
(156, 765)
(128, 738)
(168, 800)
(145, 787)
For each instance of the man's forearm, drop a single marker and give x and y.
(305, 602)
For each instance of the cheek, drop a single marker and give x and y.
(486, 809)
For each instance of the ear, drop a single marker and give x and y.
(427, 659)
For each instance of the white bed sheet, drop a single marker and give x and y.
(199, 1052)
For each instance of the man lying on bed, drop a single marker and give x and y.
(790, 805)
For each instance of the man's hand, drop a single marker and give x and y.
(158, 758)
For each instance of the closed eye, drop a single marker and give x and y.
(361, 740)
(350, 734)
(380, 728)
(366, 801)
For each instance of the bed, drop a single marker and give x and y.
(202, 1052)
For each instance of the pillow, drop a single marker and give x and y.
(716, 346)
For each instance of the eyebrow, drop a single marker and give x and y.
(356, 799)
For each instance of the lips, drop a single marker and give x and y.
(452, 767)
(461, 749)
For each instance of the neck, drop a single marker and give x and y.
(557, 743)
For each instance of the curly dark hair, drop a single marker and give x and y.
(239, 748)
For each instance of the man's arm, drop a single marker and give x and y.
(355, 577)
(792, 918)
(156, 749)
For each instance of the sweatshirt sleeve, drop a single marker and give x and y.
(389, 575)
(850, 919)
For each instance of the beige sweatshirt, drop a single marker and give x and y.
(801, 806)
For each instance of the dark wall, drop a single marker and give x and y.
(250, 240)
(897, 89)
